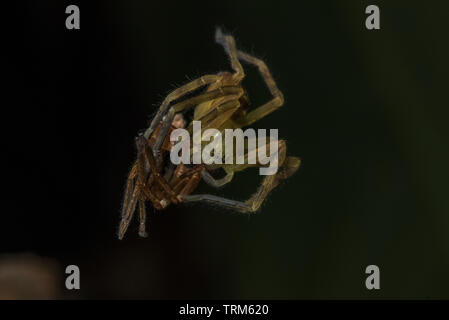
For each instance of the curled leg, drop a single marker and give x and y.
(287, 167)
(176, 94)
(217, 183)
(228, 43)
(146, 153)
(133, 192)
(290, 165)
(190, 103)
(129, 188)
(218, 201)
(278, 98)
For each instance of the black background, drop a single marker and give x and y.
(365, 110)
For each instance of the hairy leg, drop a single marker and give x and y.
(178, 93)
(217, 183)
(278, 98)
(190, 103)
(128, 211)
(142, 217)
(145, 151)
(129, 187)
(228, 43)
(220, 111)
(287, 167)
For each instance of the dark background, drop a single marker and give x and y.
(365, 110)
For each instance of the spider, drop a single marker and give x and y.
(221, 103)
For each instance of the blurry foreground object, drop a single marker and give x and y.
(27, 276)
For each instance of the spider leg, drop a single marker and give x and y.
(228, 43)
(278, 98)
(194, 179)
(229, 168)
(226, 105)
(170, 170)
(288, 166)
(133, 190)
(219, 201)
(131, 194)
(145, 151)
(129, 187)
(176, 94)
(145, 186)
(187, 183)
(220, 111)
(189, 103)
(142, 217)
(217, 183)
(227, 92)
(128, 214)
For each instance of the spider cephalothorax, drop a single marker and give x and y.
(222, 104)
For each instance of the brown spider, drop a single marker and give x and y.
(222, 104)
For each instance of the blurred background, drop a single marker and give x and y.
(365, 110)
